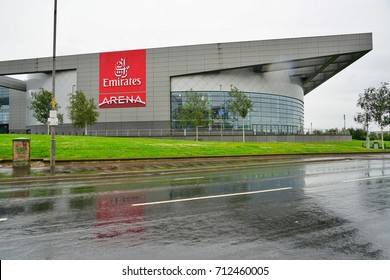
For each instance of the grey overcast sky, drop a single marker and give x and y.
(89, 26)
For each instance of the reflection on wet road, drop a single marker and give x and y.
(326, 210)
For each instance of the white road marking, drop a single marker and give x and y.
(364, 179)
(3, 219)
(209, 197)
(188, 178)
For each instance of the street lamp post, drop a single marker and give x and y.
(53, 101)
(221, 110)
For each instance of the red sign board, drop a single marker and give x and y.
(122, 79)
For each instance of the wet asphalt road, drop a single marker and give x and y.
(327, 210)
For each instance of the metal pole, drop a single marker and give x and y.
(221, 115)
(344, 124)
(53, 102)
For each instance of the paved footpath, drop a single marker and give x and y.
(87, 169)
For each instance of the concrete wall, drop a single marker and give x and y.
(274, 138)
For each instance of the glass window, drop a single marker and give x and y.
(272, 114)
(4, 108)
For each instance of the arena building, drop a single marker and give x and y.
(141, 90)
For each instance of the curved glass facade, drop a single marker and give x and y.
(272, 114)
(4, 109)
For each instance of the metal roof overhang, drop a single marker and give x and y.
(312, 72)
(12, 83)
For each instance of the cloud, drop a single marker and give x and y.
(91, 26)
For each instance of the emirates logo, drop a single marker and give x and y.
(122, 79)
(121, 69)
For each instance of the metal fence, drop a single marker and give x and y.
(202, 132)
(165, 132)
(224, 135)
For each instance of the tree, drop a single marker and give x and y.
(376, 106)
(82, 111)
(193, 112)
(364, 119)
(239, 106)
(358, 133)
(41, 106)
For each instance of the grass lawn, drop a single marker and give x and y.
(81, 147)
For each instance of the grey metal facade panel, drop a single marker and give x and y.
(231, 54)
(17, 117)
